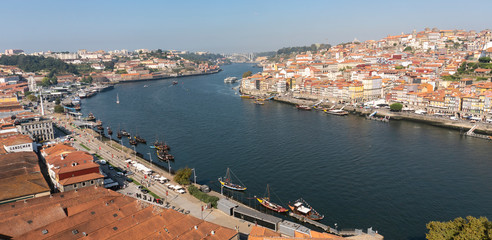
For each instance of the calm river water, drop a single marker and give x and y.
(394, 177)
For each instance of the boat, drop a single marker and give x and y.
(125, 133)
(226, 182)
(117, 99)
(265, 202)
(339, 112)
(161, 146)
(303, 107)
(161, 154)
(119, 135)
(230, 80)
(139, 139)
(110, 132)
(99, 123)
(90, 117)
(77, 107)
(175, 82)
(100, 128)
(82, 94)
(103, 88)
(76, 100)
(164, 155)
(146, 85)
(259, 102)
(301, 207)
(132, 142)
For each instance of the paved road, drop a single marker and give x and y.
(117, 158)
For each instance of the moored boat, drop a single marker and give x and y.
(140, 139)
(337, 112)
(302, 208)
(175, 82)
(90, 117)
(119, 135)
(226, 182)
(303, 107)
(161, 146)
(265, 202)
(132, 142)
(110, 132)
(125, 133)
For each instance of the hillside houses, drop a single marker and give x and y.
(413, 69)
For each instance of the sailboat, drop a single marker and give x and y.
(265, 202)
(226, 182)
(117, 99)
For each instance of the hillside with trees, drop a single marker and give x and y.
(36, 63)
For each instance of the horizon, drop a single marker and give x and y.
(223, 27)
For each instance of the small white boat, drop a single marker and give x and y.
(230, 80)
(117, 99)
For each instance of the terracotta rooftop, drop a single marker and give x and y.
(20, 175)
(98, 213)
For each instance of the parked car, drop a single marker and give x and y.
(144, 190)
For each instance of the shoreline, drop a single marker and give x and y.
(166, 77)
(458, 125)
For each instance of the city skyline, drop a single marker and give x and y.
(223, 26)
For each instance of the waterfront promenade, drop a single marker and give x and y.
(459, 124)
(116, 156)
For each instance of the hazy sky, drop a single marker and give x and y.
(223, 26)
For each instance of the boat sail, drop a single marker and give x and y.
(301, 207)
(226, 182)
(117, 99)
(265, 202)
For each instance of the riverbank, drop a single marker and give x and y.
(157, 77)
(459, 125)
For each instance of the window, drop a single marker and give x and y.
(92, 182)
(75, 185)
(83, 184)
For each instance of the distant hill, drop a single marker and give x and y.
(36, 63)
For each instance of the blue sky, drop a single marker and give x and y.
(223, 26)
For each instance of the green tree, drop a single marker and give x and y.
(45, 82)
(470, 228)
(59, 109)
(399, 67)
(247, 74)
(407, 49)
(54, 80)
(484, 59)
(183, 176)
(396, 107)
(32, 98)
(57, 101)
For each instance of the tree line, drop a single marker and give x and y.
(38, 63)
(312, 48)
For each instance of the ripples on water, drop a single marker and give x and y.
(393, 176)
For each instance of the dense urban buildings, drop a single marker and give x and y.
(439, 71)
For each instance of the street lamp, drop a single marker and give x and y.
(121, 142)
(150, 155)
(194, 174)
(169, 166)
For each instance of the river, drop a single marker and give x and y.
(394, 177)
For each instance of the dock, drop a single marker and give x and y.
(325, 228)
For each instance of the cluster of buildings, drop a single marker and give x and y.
(415, 69)
(141, 64)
